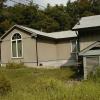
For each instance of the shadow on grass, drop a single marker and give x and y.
(77, 72)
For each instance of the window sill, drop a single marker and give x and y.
(17, 58)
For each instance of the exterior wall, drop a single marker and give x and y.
(29, 49)
(88, 37)
(90, 64)
(64, 52)
(56, 54)
(50, 52)
(46, 50)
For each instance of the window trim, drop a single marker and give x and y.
(16, 40)
(72, 47)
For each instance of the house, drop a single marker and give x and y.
(88, 30)
(36, 48)
(66, 48)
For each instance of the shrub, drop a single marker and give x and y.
(15, 65)
(5, 85)
(94, 75)
(98, 71)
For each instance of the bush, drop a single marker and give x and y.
(94, 75)
(15, 65)
(5, 85)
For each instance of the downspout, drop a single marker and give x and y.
(36, 46)
(37, 60)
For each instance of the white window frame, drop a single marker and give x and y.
(16, 40)
(72, 45)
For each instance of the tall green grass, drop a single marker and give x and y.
(48, 84)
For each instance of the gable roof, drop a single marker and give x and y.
(89, 50)
(32, 32)
(54, 35)
(88, 22)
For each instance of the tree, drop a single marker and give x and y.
(5, 25)
(58, 14)
(95, 6)
(53, 18)
(45, 23)
(2, 3)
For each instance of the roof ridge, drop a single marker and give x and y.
(88, 22)
(37, 32)
(90, 16)
(30, 28)
(61, 31)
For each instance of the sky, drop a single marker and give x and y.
(42, 2)
(52, 2)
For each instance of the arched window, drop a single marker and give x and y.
(16, 46)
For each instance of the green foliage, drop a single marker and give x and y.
(38, 84)
(53, 18)
(58, 13)
(95, 75)
(98, 71)
(12, 65)
(2, 3)
(45, 23)
(48, 84)
(5, 85)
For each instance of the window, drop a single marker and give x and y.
(16, 46)
(74, 46)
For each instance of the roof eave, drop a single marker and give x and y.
(77, 29)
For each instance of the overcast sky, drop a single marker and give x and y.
(52, 2)
(42, 2)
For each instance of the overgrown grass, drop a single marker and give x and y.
(12, 65)
(5, 86)
(48, 84)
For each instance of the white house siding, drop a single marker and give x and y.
(29, 49)
(50, 53)
(64, 52)
(46, 50)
